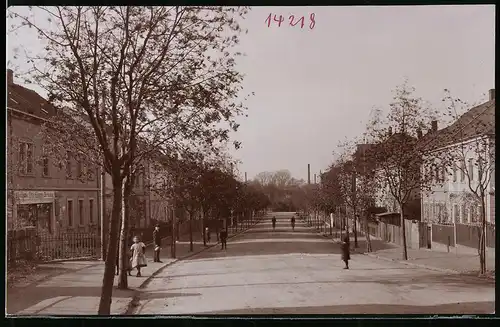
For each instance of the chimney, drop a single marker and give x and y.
(10, 77)
(434, 126)
(492, 94)
(419, 133)
(308, 173)
(390, 131)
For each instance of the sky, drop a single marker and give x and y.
(317, 87)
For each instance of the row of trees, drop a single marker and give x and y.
(136, 84)
(399, 167)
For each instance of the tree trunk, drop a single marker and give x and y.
(124, 234)
(482, 239)
(174, 227)
(203, 225)
(367, 235)
(355, 228)
(191, 249)
(109, 267)
(403, 233)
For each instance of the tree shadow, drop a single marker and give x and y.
(486, 307)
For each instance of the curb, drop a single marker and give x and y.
(134, 303)
(450, 271)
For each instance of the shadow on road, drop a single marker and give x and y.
(454, 308)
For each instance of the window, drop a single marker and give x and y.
(471, 170)
(456, 214)
(68, 165)
(445, 174)
(454, 167)
(26, 158)
(45, 163)
(70, 213)
(91, 173)
(80, 169)
(462, 172)
(465, 216)
(80, 212)
(473, 213)
(91, 211)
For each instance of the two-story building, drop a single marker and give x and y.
(463, 146)
(41, 192)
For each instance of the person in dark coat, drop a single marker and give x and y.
(293, 223)
(157, 243)
(118, 261)
(223, 239)
(346, 251)
(274, 222)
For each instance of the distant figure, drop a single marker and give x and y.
(223, 239)
(274, 222)
(346, 256)
(207, 233)
(157, 243)
(138, 259)
(293, 223)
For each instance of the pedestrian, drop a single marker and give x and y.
(138, 251)
(274, 222)
(157, 243)
(346, 256)
(293, 223)
(223, 238)
(207, 232)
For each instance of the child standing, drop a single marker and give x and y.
(138, 260)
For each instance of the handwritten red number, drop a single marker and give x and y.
(313, 22)
(301, 20)
(268, 20)
(280, 20)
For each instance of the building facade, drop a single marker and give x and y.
(41, 192)
(450, 199)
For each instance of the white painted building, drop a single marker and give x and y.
(450, 198)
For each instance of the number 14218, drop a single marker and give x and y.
(292, 20)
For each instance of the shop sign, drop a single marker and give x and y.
(29, 197)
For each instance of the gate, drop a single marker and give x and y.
(425, 235)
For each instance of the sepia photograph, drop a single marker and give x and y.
(282, 161)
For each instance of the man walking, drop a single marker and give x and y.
(274, 222)
(293, 223)
(157, 243)
(223, 239)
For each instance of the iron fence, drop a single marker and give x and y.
(67, 245)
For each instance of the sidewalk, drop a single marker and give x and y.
(451, 262)
(78, 290)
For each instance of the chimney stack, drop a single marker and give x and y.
(245, 177)
(308, 173)
(492, 94)
(10, 77)
(314, 178)
(434, 126)
(419, 134)
(390, 131)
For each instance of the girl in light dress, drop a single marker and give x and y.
(138, 259)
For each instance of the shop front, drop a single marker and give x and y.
(35, 209)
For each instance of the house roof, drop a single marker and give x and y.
(28, 101)
(479, 120)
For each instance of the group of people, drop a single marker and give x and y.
(292, 222)
(222, 237)
(137, 254)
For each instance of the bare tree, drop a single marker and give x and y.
(160, 74)
(467, 148)
(398, 155)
